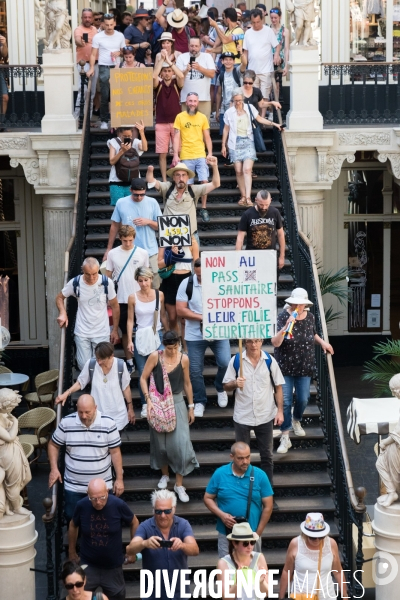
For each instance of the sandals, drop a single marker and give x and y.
(242, 201)
(249, 202)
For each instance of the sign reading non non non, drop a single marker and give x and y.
(131, 96)
(239, 294)
(174, 230)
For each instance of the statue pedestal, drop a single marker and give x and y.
(304, 90)
(58, 77)
(386, 566)
(17, 556)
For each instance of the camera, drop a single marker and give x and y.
(238, 520)
(165, 543)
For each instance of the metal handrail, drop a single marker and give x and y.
(359, 507)
(376, 63)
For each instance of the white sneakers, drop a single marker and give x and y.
(104, 125)
(143, 414)
(181, 492)
(222, 399)
(198, 411)
(162, 484)
(297, 428)
(284, 445)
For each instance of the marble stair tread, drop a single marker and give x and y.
(107, 208)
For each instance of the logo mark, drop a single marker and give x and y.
(386, 568)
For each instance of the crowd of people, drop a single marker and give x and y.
(204, 67)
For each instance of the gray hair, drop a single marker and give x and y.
(250, 73)
(163, 495)
(238, 92)
(90, 261)
(264, 194)
(143, 272)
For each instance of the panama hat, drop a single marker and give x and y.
(299, 296)
(315, 526)
(140, 13)
(181, 167)
(242, 532)
(177, 18)
(166, 35)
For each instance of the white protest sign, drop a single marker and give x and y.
(239, 294)
(174, 230)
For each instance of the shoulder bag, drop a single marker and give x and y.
(123, 269)
(162, 416)
(258, 138)
(305, 596)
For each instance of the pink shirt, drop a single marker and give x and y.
(83, 53)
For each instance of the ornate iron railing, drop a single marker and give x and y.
(25, 106)
(53, 519)
(360, 93)
(350, 507)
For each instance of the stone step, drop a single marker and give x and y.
(99, 251)
(231, 195)
(267, 163)
(212, 234)
(294, 456)
(226, 180)
(107, 209)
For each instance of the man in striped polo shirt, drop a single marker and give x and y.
(92, 443)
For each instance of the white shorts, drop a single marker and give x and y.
(264, 82)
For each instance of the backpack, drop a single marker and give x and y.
(236, 77)
(128, 165)
(268, 362)
(172, 187)
(92, 364)
(189, 288)
(76, 284)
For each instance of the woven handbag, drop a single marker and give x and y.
(162, 416)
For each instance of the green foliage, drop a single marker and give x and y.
(380, 370)
(330, 316)
(335, 284)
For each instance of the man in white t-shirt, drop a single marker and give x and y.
(106, 48)
(93, 291)
(122, 263)
(198, 69)
(257, 53)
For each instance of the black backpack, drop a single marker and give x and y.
(128, 165)
(172, 187)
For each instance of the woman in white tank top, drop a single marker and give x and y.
(308, 570)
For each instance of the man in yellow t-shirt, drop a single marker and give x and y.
(230, 40)
(192, 133)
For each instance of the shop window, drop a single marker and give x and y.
(365, 192)
(368, 30)
(396, 30)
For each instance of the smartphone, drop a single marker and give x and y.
(192, 59)
(127, 141)
(166, 543)
(85, 37)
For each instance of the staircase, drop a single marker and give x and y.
(302, 480)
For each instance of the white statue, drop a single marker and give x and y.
(388, 463)
(302, 15)
(58, 29)
(15, 472)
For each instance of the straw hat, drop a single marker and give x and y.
(298, 296)
(166, 35)
(177, 18)
(242, 532)
(315, 526)
(181, 167)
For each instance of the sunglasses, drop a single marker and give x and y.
(77, 584)
(108, 16)
(275, 11)
(138, 195)
(245, 544)
(158, 511)
(96, 18)
(98, 499)
(248, 83)
(128, 49)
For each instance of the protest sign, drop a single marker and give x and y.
(174, 230)
(131, 96)
(239, 294)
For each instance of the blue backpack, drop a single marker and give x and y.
(268, 362)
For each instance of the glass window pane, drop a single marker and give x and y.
(368, 30)
(365, 252)
(9, 301)
(365, 192)
(396, 30)
(7, 207)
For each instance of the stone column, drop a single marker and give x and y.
(57, 211)
(58, 78)
(311, 208)
(17, 557)
(386, 566)
(304, 112)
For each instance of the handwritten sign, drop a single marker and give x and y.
(239, 294)
(131, 96)
(174, 230)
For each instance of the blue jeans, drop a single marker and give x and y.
(196, 352)
(302, 389)
(70, 501)
(140, 361)
(199, 166)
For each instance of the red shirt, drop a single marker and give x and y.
(181, 39)
(168, 103)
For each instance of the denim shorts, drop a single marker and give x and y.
(199, 166)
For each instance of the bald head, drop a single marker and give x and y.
(239, 447)
(240, 453)
(86, 407)
(97, 487)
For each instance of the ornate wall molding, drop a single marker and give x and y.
(73, 160)
(30, 166)
(334, 164)
(14, 143)
(394, 158)
(364, 139)
(43, 158)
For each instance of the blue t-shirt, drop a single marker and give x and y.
(101, 531)
(126, 210)
(164, 558)
(232, 492)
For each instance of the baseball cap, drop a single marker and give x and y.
(228, 55)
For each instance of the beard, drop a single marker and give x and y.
(191, 111)
(181, 185)
(262, 212)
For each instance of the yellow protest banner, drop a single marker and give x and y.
(131, 96)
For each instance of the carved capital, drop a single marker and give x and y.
(43, 157)
(30, 166)
(334, 164)
(364, 139)
(73, 160)
(14, 143)
(394, 158)
(292, 159)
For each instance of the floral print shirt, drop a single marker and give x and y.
(296, 357)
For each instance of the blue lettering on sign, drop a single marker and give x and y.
(222, 317)
(250, 263)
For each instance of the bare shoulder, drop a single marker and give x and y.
(334, 546)
(185, 360)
